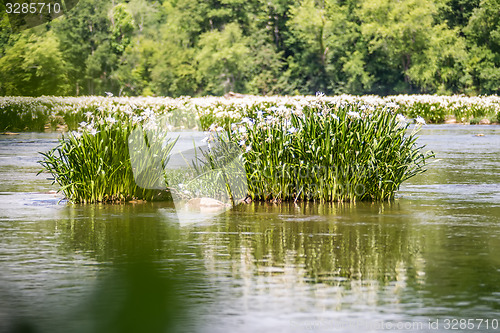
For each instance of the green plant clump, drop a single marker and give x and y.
(312, 149)
(93, 165)
(324, 154)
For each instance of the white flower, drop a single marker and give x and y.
(260, 114)
(242, 142)
(83, 124)
(334, 116)
(76, 134)
(249, 147)
(136, 119)
(391, 105)
(319, 94)
(420, 120)
(242, 129)
(292, 130)
(219, 129)
(148, 113)
(400, 118)
(88, 114)
(109, 94)
(151, 126)
(110, 120)
(93, 131)
(353, 114)
(205, 139)
(212, 128)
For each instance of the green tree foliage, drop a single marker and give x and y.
(483, 32)
(200, 47)
(34, 66)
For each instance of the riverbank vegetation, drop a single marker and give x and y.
(318, 148)
(65, 113)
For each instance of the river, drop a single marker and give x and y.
(429, 261)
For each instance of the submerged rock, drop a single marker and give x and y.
(206, 205)
(451, 120)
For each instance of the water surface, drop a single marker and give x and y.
(419, 262)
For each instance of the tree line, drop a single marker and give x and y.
(211, 47)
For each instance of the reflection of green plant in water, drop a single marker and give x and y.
(310, 239)
(146, 269)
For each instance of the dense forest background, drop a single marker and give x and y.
(211, 47)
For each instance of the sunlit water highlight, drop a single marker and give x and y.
(430, 256)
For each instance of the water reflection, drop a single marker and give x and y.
(100, 268)
(432, 254)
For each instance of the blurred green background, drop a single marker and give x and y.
(201, 47)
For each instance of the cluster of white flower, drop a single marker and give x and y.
(261, 110)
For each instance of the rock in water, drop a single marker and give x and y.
(206, 205)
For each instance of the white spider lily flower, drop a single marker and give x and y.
(89, 114)
(292, 130)
(260, 114)
(242, 129)
(212, 128)
(392, 105)
(148, 113)
(219, 129)
(76, 134)
(249, 147)
(241, 143)
(109, 94)
(319, 94)
(136, 119)
(400, 118)
(420, 121)
(93, 131)
(110, 120)
(83, 124)
(354, 114)
(334, 116)
(151, 126)
(205, 139)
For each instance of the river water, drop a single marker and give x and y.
(429, 261)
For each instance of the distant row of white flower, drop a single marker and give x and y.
(221, 110)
